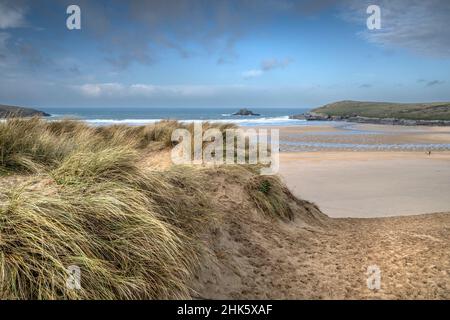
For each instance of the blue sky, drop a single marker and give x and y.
(222, 53)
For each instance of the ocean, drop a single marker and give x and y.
(139, 116)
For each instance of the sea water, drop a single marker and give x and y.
(276, 116)
(138, 116)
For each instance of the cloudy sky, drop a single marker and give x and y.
(222, 53)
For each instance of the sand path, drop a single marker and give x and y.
(260, 259)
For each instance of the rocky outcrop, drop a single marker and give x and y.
(313, 116)
(13, 111)
(245, 112)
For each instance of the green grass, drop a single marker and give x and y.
(271, 196)
(407, 111)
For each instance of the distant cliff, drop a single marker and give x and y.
(7, 111)
(432, 114)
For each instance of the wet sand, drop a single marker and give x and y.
(363, 137)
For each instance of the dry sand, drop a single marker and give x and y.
(329, 258)
(259, 258)
(370, 184)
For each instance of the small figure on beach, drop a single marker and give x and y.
(429, 152)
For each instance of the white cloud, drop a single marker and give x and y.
(10, 16)
(99, 90)
(266, 66)
(252, 73)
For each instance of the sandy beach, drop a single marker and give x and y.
(355, 170)
(370, 184)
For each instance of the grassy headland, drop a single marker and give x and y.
(8, 111)
(437, 113)
(408, 111)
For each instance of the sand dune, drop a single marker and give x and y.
(235, 234)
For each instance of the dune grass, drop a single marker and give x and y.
(134, 233)
(129, 231)
(269, 195)
(111, 232)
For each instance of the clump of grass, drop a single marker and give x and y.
(265, 186)
(142, 136)
(130, 232)
(271, 196)
(26, 145)
(181, 198)
(109, 164)
(66, 126)
(110, 230)
(34, 144)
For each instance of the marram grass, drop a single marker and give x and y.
(134, 233)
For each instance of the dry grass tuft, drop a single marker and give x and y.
(132, 233)
(271, 196)
(111, 231)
